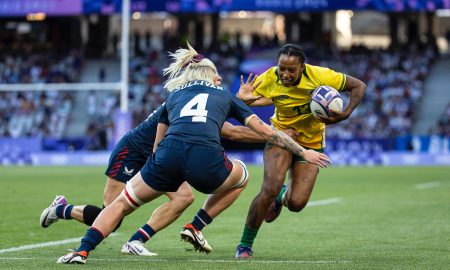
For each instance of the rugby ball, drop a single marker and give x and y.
(324, 99)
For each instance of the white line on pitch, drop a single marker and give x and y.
(428, 185)
(253, 261)
(324, 202)
(72, 240)
(46, 244)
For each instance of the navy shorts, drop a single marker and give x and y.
(204, 168)
(126, 161)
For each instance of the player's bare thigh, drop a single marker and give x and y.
(112, 190)
(301, 184)
(276, 164)
(142, 190)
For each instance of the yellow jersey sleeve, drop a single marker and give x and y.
(329, 77)
(267, 80)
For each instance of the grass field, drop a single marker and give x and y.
(377, 218)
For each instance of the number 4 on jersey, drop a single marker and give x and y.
(198, 114)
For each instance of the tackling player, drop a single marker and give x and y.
(127, 158)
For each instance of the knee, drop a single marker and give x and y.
(270, 192)
(181, 199)
(296, 205)
(123, 206)
(242, 183)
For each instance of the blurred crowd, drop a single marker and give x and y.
(31, 113)
(394, 81)
(146, 91)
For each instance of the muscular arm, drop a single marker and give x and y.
(260, 102)
(282, 140)
(240, 134)
(357, 89)
(160, 132)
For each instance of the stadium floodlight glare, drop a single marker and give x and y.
(40, 16)
(443, 12)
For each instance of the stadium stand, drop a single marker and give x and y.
(395, 87)
(395, 79)
(36, 113)
(386, 111)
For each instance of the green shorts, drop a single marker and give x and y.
(296, 158)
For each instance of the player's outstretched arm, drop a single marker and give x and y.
(282, 140)
(240, 134)
(160, 133)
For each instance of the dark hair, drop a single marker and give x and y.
(294, 50)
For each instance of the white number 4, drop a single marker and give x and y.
(199, 114)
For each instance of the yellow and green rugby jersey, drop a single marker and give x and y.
(292, 103)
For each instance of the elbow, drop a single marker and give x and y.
(362, 86)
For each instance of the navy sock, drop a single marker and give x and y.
(64, 210)
(143, 234)
(201, 220)
(91, 239)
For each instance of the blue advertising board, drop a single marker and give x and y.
(10, 8)
(49, 7)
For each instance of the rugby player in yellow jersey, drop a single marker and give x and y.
(288, 87)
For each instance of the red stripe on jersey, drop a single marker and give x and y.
(122, 155)
(117, 165)
(227, 162)
(125, 149)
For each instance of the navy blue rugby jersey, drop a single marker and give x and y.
(196, 111)
(143, 136)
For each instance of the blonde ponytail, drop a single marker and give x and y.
(181, 58)
(191, 65)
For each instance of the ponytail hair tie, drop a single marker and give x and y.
(197, 58)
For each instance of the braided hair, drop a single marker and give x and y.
(292, 50)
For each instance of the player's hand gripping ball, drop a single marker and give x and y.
(324, 100)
